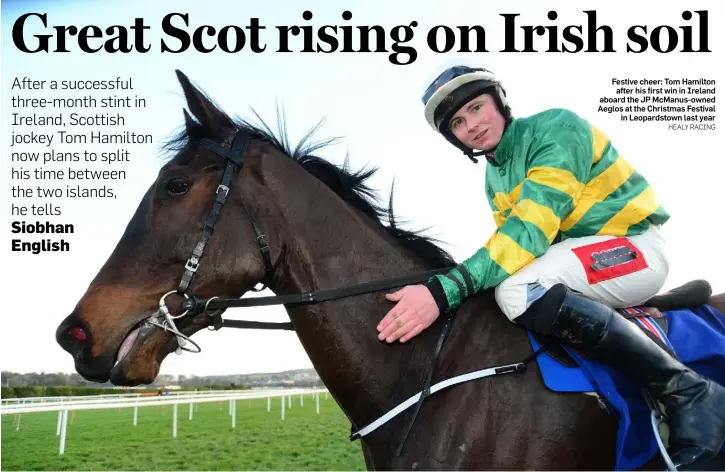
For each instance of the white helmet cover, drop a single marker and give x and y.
(449, 81)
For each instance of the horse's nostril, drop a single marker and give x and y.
(77, 333)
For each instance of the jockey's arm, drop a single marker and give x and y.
(548, 194)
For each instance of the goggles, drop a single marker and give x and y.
(447, 76)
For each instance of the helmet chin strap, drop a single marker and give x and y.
(471, 153)
(489, 153)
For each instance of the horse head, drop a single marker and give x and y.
(290, 220)
(107, 333)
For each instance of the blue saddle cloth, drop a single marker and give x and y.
(698, 338)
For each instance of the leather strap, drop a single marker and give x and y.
(234, 156)
(197, 305)
(235, 161)
(425, 393)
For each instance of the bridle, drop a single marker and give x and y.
(235, 161)
(234, 156)
(214, 307)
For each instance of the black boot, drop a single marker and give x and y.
(695, 406)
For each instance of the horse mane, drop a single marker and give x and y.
(351, 186)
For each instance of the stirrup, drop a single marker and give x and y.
(657, 417)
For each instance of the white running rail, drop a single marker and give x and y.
(65, 404)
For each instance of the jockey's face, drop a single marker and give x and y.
(478, 124)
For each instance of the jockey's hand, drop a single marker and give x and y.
(415, 311)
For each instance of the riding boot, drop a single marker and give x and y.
(695, 406)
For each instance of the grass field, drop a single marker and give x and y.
(107, 439)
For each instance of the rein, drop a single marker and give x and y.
(213, 306)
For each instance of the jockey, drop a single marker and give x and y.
(578, 234)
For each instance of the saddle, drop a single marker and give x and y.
(692, 294)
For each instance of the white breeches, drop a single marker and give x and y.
(569, 263)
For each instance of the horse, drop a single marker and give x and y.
(297, 224)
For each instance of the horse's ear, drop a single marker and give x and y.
(200, 106)
(190, 123)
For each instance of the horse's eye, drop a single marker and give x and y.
(177, 187)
